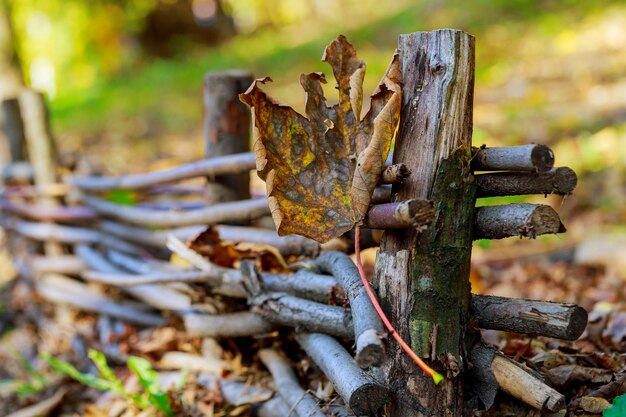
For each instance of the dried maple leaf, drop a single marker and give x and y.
(321, 169)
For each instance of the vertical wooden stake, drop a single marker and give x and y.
(423, 278)
(227, 129)
(14, 129)
(41, 149)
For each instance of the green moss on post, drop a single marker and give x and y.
(423, 277)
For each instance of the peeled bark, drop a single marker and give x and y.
(515, 380)
(563, 321)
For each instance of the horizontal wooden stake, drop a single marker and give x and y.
(514, 379)
(304, 315)
(243, 210)
(217, 166)
(239, 324)
(400, 215)
(222, 165)
(287, 385)
(292, 311)
(44, 212)
(287, 245)
(561, 181)
(563, 321)
(369, 331)
(71, 235)
(60, 289)
(535, 158)
(524, 220)
(157, 296)
(360, 392)
(62, 264)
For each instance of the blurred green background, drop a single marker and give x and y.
(124, 78)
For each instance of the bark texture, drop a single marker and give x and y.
(534, 158)
(561, 181)
(522, 219)
(227, 129)
(563, 321)
(423, 277)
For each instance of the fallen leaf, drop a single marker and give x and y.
(321, 169)
(594, 405)
(229, 254)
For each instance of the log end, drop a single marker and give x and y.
(368, 399)
(565, 180)
(577, 324)
(544, 220)
(370, 350)
(542, 158)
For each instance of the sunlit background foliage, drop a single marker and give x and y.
(124, 77)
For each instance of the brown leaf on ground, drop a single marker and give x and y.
(321, 169)
(229, 254)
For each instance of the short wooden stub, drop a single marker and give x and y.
(422, 277)
(227, 129)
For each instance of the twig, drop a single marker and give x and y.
(44, 212)
(230, 164)
(401, 215)
(359, 392)
(524, 220)
(59, 289)
(71, 235)
(368, 328)
(62, 264)
(287, 245)
(563, 321)
(157, 296)
(288, 386)
(535, 158)
(561, 181)
(304, 315)
(492, 370)
(227, 281)
(226, 325)
(218, 213)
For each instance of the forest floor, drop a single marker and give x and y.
(557, 77)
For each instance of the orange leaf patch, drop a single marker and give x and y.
(321, 169)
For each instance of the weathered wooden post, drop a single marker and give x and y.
(42, 151)
(227, 129)
(423, 277)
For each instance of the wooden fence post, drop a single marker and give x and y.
(423, 277)
(227, 129)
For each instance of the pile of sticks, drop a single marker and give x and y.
(71, 236)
